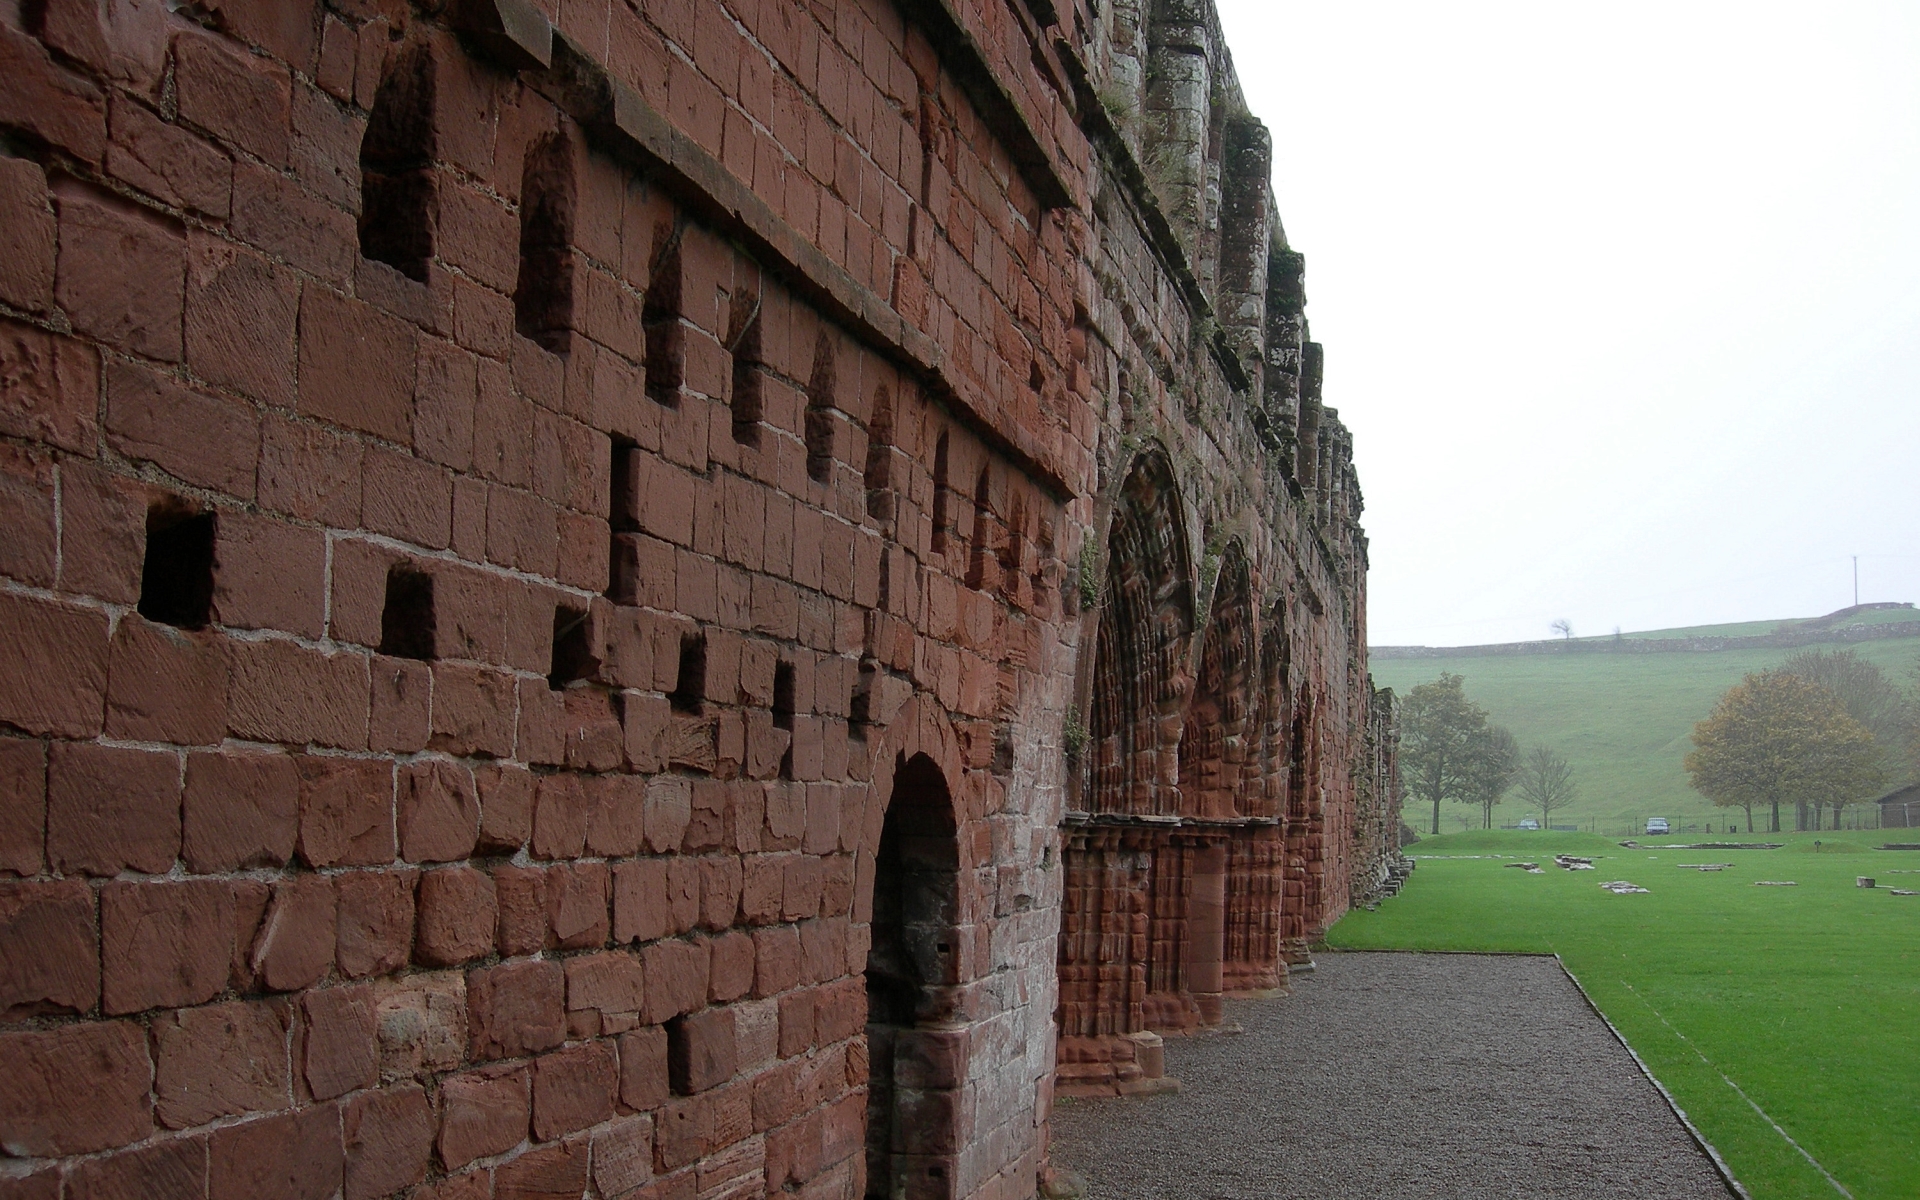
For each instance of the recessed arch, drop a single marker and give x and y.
(1303, 802)
(1214, 740)
(1263, 795)
(1140, 674)
(1257, 853)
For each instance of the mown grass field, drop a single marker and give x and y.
(1806, 998)
(1622, 720)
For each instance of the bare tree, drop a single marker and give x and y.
(1494, 758)
(1546, 782)
(1563, 627)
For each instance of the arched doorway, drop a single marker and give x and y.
(916, 1056)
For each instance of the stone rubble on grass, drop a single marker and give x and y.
(1901, 892)
(1572, 862)
(1529, 867)
(1621, 887)
(1703, 866)
(1632, 845)
(1775, 883)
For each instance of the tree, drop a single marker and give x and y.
(1563, 627)
(1546, 782)
(1871, 699)
(1775, 737)
(1437, 727)
(1492, 759)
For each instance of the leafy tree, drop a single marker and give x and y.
(1438, 748)
(1775, 737)
(1546, 782)
(1493, 758)
(1871, 699)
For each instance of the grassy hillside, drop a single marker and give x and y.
(1872, 616)
(1622, 720)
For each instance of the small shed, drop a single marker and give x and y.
(1900, 808)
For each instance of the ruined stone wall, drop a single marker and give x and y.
(553, 566)
(1228, 797)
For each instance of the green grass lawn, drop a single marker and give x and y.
(1807, 998)
(1622, 720)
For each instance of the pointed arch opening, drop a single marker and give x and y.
(1140, 677)
(1213, 743)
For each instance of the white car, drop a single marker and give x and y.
(1658, 825)
(1529, 823)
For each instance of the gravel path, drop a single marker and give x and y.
(1395, 1076)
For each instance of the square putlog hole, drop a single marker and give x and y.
(690, 688)
(573, 656)
(407, 621)
(176, 578)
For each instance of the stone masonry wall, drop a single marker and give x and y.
(553, 559)
(1226, 807)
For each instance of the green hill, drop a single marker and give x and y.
(1622, 720)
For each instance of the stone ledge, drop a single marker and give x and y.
(1005, 115)
(511, 34)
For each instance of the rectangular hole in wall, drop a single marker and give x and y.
(820, 406)
(623, 499)
(942, 495)
(748, 404)
(406, 620)
(660, 313)
(573, 656)
(1013, 547)
(878, 475)
(860, 704)
(978, 556)
(783, 712)
(690, 685)
(176, 578)
(398, 208)
(543, 292)
(623, 511)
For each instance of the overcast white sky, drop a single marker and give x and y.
(1621, 301)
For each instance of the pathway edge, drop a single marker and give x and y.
(1734, 1186)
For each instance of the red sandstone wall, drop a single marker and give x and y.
(284, 913)
(1222, 671)
(746, 380)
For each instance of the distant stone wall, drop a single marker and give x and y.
(1225, 804)
(1786, 639)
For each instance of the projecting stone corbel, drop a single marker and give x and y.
(513, 32)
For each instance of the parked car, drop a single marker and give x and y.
(1529, 823)
(1658, 825)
